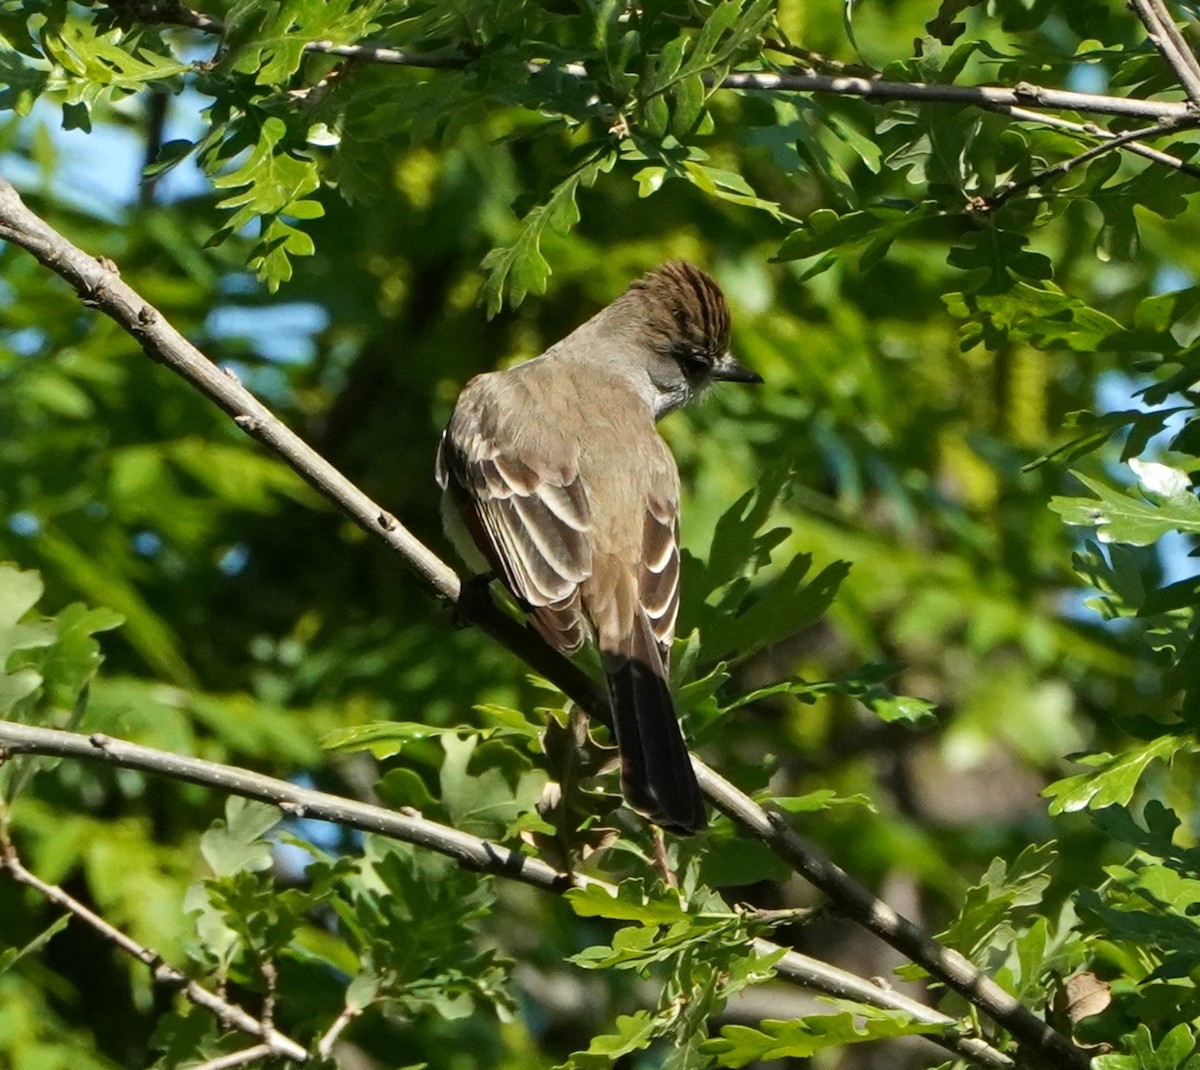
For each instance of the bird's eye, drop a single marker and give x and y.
(693, 359)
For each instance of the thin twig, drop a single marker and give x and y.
(994, 202)
(276, 1043)
(1165, 36)
(1022, 94)
(238, 1058)
(1172, 31)
(330, 1037)
(395, 56)
(270, 977)
(851, 899)
(1100, 134)
(100, 286)
(790, 915)
(471, 852)
(816, 61)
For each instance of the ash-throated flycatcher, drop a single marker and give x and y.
(563, 483)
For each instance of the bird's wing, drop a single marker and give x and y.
(658, 574)
(530, 518)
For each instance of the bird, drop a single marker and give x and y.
(555, 479)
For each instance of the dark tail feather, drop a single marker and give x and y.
(656, 772)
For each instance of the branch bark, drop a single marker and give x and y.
(274, 1042)
(1165, 36)
(1098, 133)
(258, 1053)
(1059, 169)
(468, 851)
(100, 286)
(1022, 94)
(851, 899)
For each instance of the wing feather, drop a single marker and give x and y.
(531, 518)
(658, 577)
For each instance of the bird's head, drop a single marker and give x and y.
(684, 320)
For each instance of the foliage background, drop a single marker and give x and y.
(919, 355)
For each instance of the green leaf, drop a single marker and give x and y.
(1156, 839)
(1017, 311)
(783, 607)
(994, 908)
(1113, 778)
(97, 65)
(631, 1032)
(19, 593)
(273, 181)
(385, 739)
(1098, 429)
(825, 229)
(236, 844)
(1119, 518)
(486, 787)
(10, 956)
(729, 187)
(901, 709)
(521, 267)
(688, 100)
(146, 630)
(996, 256)
(268, 40)
(1174, 1049)
(46, 665)
(631, 903)
(801, 1038)
(20, 83)
(816, 801)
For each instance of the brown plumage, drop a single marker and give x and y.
(565, 487)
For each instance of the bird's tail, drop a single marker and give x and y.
(656, 771)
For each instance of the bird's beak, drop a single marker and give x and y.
(729, 370)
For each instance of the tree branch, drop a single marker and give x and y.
(1116, 141)
(330, 1036)
(851, 899)
(238, 1058)
(468, 851)
(274, 1042)
(1099, 133)
(1165, 36)
(1022, 94)
(100, 287)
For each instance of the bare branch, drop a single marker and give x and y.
(100, 286)
(238, 1058)
(270, 977)
(397, 57)
(469, 851)
(853, 900)
(275, 1043)
(816, 61)
(991, 204)
(1165, 36)
(1022, 94)
(330, 1037)
(1099, 133)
